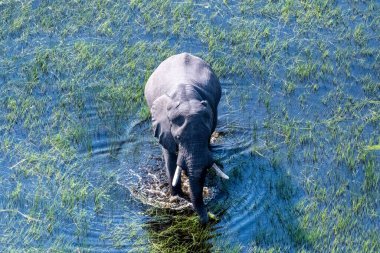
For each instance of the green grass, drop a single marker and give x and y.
(72, 70)
(180, 235)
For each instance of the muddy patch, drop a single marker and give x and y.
(153, 189)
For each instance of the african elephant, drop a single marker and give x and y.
(183, 94)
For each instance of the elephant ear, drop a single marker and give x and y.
(161, 123)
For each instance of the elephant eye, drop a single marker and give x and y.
(179, 120)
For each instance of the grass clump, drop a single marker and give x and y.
(179, 234)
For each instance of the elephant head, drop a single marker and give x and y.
(183, 121)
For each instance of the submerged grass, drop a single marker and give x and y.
(179, 234)
(71, 71)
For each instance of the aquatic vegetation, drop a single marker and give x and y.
(179, 235)
(299, 114)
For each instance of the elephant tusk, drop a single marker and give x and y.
(177, 176)
(219, 172)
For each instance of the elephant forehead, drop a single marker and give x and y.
(190, 108)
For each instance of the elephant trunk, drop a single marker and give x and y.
(196, 189)
(197, 159)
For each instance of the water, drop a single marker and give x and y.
(299, 109)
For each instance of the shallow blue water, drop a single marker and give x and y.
(278, 143)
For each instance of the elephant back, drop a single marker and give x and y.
(182, 69)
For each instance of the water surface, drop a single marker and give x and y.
(298, 123)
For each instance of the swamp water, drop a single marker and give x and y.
(298, 122)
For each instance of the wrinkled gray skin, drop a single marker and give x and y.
(183, 94)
